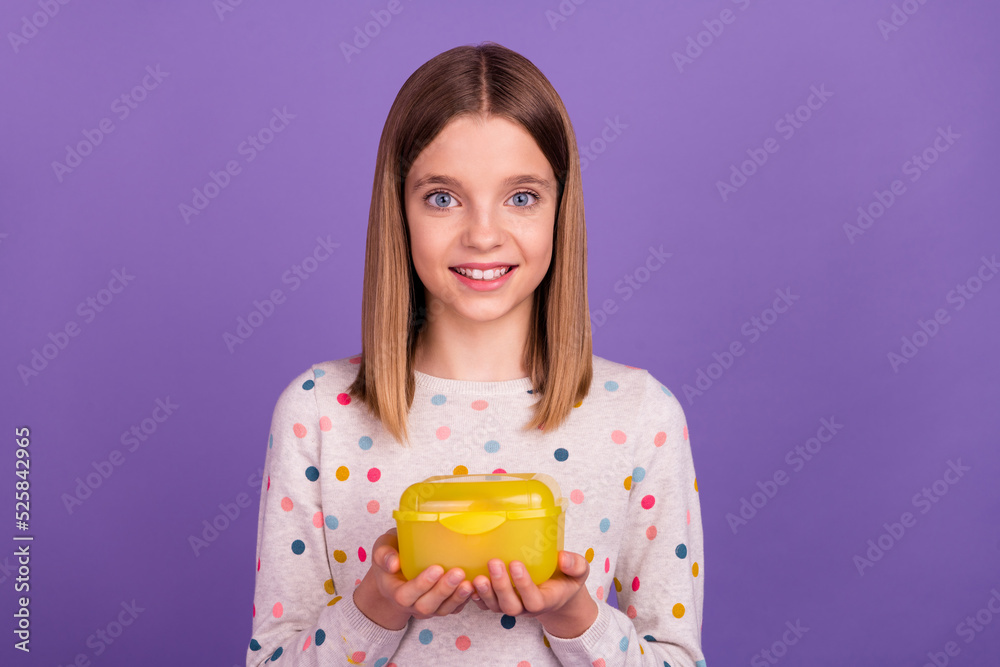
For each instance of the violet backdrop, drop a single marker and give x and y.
(739, 136)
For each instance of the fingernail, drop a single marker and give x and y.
(455, 578)
(566, 560)
(517, 569)
(495, 569)
(388, 560)
(435, 574)
(463, 592)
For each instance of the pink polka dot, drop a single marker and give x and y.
(463, 643)
(660, 438)
(299, 430)
(647, 502)
(631, 612)
(318, 519)
(325, 424)
(635, 584)
(374, 474)
(685, 432)
(600, 592)
(278, 610)
(618, 437)
(363, 556)
(443, 432)
(357, 582)
(651, 533)
(479, 405)
(524, 663)
(689, 516)
(607, 564)
(499, 471)
(268, 482)
(344, 399)
(308, 642)
(598, 663)
(373, 507)
(355, 360)
(258, 565)
(286, 504)
(358, 657)
(255, 610)
(576, 495)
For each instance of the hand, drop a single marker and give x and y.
(561, 601)
(388, 599)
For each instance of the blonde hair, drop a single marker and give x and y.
(482, 80)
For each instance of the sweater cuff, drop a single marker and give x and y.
(365, 626)
(582, 646)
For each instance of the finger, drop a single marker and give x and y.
(457, 600)
(531, 598)
(408, 594)
(506, 597)
(574, 564)
(440, 595)
(487, 599)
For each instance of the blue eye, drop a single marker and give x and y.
(442, 199)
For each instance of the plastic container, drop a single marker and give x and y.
(466, 520)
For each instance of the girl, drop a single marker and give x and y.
(476, 357)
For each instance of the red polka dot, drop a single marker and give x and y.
(373, 507)
(647, 502)
(618, 437)
(660, 438)
(576, 495)
(287, 504)
(630, 612)
(258, 565)
(524, 663)
(308, 642)
(344, 399)
(318, 519)
(277, 610)
(358, 657)
(268, 482)
(442, 433)
(598, 663)
(499, 471)
(479, 405)
(362, 556)
(635, 584)
(355, 360)
(651, 533)
(374, 474)
(463, 643)
(325, 424)
(299, 430)
(607, 564)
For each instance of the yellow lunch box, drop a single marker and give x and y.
(465, 520)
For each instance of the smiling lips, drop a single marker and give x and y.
(482, 274)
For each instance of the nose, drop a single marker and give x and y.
(484, 229)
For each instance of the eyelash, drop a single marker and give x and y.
(538, 199)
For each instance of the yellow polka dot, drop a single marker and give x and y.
(618, 585)
(589, 555)
(333, 601)
(343, 473)
(460, 470)
(328, 586)
(694, 569)
(695, 483)
(339, 556)
(641, 651)
(545, 640)
(578, 404)
(628, 483)
(678, 610)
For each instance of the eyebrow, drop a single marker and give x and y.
(522, 179)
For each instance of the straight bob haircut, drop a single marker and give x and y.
(477, 81)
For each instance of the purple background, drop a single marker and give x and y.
(680, 128)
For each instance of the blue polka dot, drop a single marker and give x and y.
(492, 446)
(270, 440)
(623, 644)
(298, 546)
(426, 636)
(605, 525)
(507, 621)
(320, 637)
(312, 473)
(667, 392)
(561, 454)
(254, 646)
(438, 399)
(277, 653)
(700, 663)
(381, 662)
(649, 638)
(308, 384)
(318, 373)
(681, 551)
(531, 391)
(638, 474)
(365, 443)
(611, 385)
(331, 522)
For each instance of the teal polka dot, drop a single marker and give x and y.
(426, 636)
(507, 622)
(298, 546)
(331, 522)
(365, 443)
(381, 662)
(277, 653)
(700, 663)
(561, 454)
(623, 644)
(611, 385)
(308, 384)
(681, 551)
(254, 646)
(667, 392)
(438, 399)
(492, 446)
(318, 373)
(312, 473)
(270, 440)
(605, 525)
(638, 474)
(649, 638)
(320, 637)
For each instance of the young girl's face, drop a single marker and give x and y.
(482, 193)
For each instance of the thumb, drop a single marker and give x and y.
(572, 564)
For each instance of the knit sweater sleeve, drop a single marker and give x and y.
(301, 615)
(660, 569)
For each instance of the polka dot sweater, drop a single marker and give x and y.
(333, 475)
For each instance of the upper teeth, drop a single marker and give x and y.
(488, 274)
